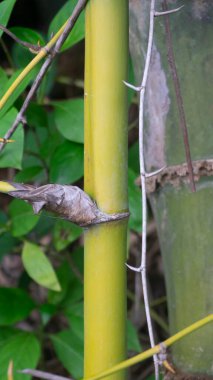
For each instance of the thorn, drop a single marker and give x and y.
(139, 269)
(136, 88)
(168, 366)
(148, 175)
(168, 12)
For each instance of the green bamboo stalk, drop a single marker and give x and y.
(106, 182)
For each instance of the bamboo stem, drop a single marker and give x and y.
(106, 182)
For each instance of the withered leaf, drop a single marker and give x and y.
(68, 202)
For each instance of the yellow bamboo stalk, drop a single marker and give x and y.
(106, 182)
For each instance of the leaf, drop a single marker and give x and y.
(15, 305)
(20, 54)
(37, 116)
(76, 319)
(72, 288)
(69, 119)
(22, 217)
(77, 33)
(133, 343)
(3, 81)
(67, 163)
(12, 154)
(28, 174)
(65, 233)
(24, 349)
(39, 267)
(18, 91)
(135, 221)
(69, 349)
(133, 158)
(6, 8)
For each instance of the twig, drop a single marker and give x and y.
(70, 24)
(183, 125)
(43, 375)
(33, 48)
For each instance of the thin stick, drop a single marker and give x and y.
(183, 125)
(43, 375)
(33, 48)
(143, 184)
(70, 24)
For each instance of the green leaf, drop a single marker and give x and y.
(22, 217)
(67, 163)
(39, 267)
(37, 116)
(12, 154)
(69, 349)
(133, 343)
(77, 33)
(134, 164)
(15, 305)
(3, 81)
(135, 222)
(72, 288)
(69, 119)
(24, 350)
(28, 174)
(21, 55)
(65, 233)
(7, 244)
(76, 319)
(18, 91)
(6, 8)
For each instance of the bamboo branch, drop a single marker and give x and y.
(183, 125)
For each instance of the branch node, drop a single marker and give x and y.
(136, 88)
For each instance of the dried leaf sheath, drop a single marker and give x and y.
(68, 202)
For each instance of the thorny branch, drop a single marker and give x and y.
(142, 268)
(183, 125)
(70, 24)
(143, 175)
